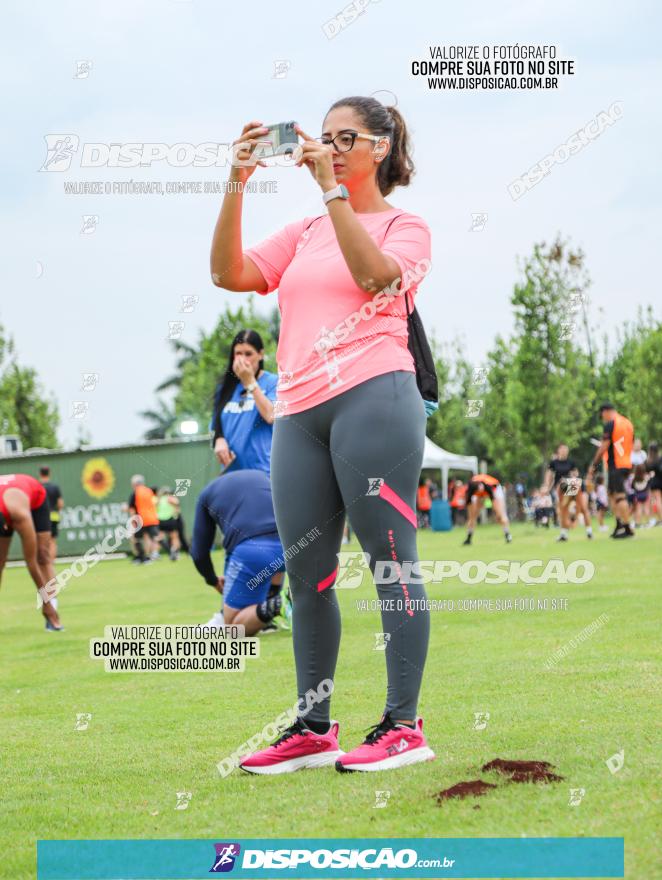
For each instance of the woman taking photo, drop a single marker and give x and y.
(352, 431)
(243, 417)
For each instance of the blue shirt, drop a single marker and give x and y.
(248, 435)
(240, 505)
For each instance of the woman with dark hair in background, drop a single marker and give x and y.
(243, 417)
(244, 407)
(353, 428)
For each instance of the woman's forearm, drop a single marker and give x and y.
(547, 483)
(371, 269)
(264, 406)
(226, 248)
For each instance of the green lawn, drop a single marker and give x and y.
(154, 734)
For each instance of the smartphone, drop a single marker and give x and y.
(280, 140)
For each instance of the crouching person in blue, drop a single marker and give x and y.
(240, 504)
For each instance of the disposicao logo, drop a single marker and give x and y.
(226, 853)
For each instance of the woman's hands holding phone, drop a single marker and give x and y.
(251, 134)
(319, 160)
(317, 157)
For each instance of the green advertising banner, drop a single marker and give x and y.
(96, 485)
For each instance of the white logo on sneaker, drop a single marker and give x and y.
(396, 748)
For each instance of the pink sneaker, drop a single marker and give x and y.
(296, 749)
(387, 746)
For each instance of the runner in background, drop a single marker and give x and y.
(24, 509)
(143, 503)
(423, 504)
(616, 451)
(55, 505)
(168, 510)
(542, 506)
(563, 478)
(459, 502)
(481, 487)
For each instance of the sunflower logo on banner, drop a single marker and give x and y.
(98, 478)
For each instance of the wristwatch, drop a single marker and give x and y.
(338, 192)
(250, 388)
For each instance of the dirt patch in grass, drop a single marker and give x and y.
(523, 771)
(513, 771)
(475, 788)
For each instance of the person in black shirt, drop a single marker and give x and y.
(55, 505)
(564, 479)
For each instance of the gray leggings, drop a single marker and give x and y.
(359, 453)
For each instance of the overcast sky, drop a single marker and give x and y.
(192, 72)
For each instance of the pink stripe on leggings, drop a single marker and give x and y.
(394, 499)
(322, 585)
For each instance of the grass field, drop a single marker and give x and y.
(153, 734)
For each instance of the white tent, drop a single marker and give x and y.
(436, 457)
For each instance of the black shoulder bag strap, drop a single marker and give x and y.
(426, 373)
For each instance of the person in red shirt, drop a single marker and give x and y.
(24, 509)
(616, 452)
(143, 503)
(458, 496)
(482, 486)
(423, 503)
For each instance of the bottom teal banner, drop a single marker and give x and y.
(331, 857)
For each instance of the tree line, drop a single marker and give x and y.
(538, 386)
